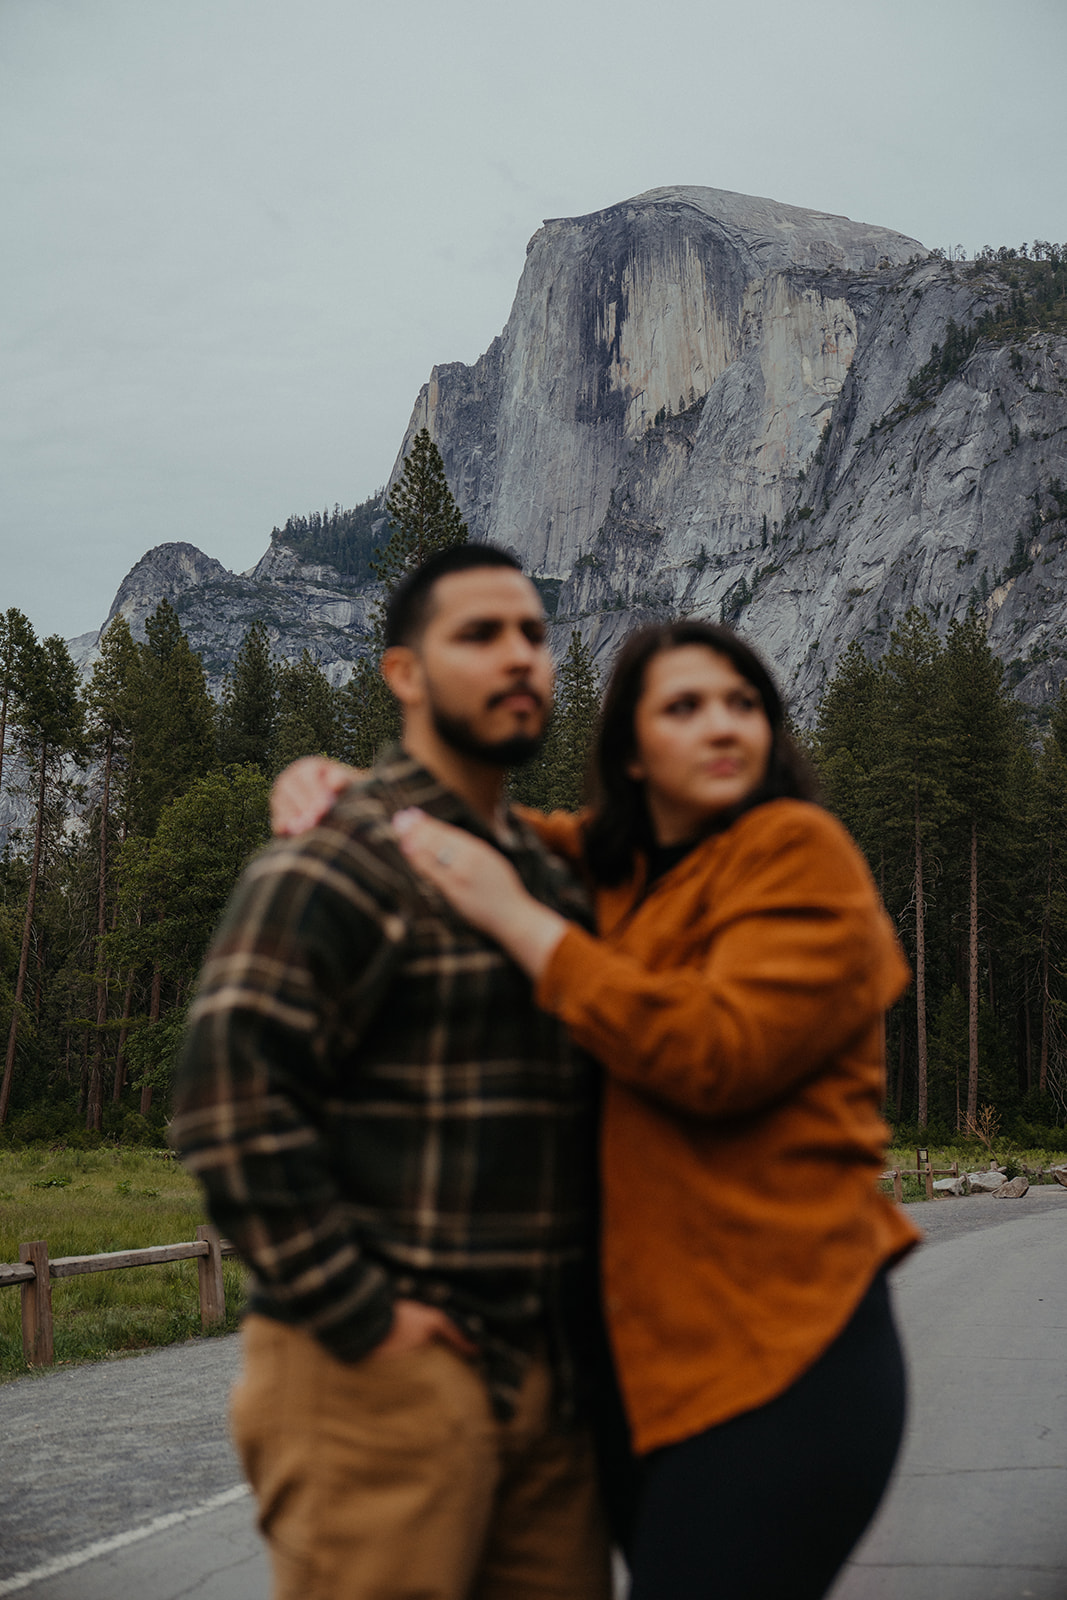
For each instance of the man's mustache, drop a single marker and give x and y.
(520, 687)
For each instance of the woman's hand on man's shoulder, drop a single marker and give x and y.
(306, 790)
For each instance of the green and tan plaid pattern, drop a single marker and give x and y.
(373, 1102)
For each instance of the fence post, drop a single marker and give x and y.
(37, 1345)
(209, 1273)
(929, 1182)
(898, 1186)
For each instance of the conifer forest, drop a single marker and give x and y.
(142, 798)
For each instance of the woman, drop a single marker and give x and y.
(735, 996)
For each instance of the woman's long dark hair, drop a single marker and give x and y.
(619, 826)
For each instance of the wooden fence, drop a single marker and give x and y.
(923, 1170)
(34, 1273)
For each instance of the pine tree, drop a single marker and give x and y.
(368, 716)
(923, 754)
(948, 1059)
(182, 878)
(555, 778)
(1047, 831)
(16, 639)
(306, 723)
(111, 700)
(423, 516)
(912, 777)
(50, 727)
(248, 711)
(174, 722)
(983, 733)
(173, 741)
(848, 749)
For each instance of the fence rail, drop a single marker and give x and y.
(34, 1272)
(924, 1171)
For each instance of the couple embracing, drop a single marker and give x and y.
(462, 1080)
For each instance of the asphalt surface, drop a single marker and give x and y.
(117, 1481)
(92, 1452)
(978, 1508)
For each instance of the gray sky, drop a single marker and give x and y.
(235, 235)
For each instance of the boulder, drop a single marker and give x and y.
(985, 1182)
(951, 1185)
(1014, 1189)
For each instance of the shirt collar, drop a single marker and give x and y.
(408, 783)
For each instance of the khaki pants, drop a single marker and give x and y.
(391, 1479)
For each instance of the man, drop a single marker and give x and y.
(397, 1140)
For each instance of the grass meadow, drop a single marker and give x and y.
(82, 1202)
(111, 1198)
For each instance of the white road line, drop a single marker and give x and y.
(119, 1541)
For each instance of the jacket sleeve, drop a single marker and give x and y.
(299, 959)
(558, 831)
(799, 958)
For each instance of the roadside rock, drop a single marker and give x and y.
(1014, 1189)
(985, 1182)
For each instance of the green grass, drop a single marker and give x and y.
(82, 1202)
(971, 1157)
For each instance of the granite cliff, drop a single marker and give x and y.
(712, 403)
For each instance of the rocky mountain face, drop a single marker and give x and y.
(709, 403)
(303, 605)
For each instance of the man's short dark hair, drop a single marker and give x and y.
(408, 607)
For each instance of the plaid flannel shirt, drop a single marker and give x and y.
(374, 1104)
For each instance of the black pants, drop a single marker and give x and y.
(768, 1505)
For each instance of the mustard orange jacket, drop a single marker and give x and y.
(738, 1010)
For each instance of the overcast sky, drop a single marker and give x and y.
(235, 235)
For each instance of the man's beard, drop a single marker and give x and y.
(458, 734)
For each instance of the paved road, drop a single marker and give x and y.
(117, 1481)
(91, 1453)
(978, 1510)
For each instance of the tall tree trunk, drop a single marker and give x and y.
(900, 1074)
(959, 1108)
(972, 982)
(83, 1081)
(153, 1016)
(24, 954)
(1046, 939)
(38, 981)
(95, 1114)
(3, 731)
(124, 1034)
(920, 969)
(1047, 936)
